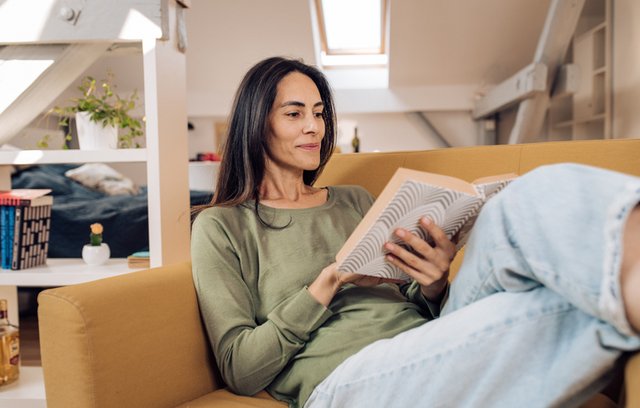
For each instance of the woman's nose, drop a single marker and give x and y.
(311, 125)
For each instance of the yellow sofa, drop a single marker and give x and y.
(136, 340)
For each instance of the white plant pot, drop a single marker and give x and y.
(92, 136)
(96, 255)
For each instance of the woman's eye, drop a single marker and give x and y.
(293, 114)
(319, 114)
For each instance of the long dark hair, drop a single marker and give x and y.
(243, 160)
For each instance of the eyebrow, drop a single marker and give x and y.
(300, 104)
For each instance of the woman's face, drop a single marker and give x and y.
(296, 124)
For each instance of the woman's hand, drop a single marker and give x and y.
(428, 265)
(330, 280)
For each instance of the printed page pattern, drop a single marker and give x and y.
(448, 209)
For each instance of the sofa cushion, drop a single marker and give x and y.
(225, 399)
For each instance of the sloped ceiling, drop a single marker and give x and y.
(474, 43)
(462, 42)
(445, 50)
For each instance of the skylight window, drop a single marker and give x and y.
(352, 32)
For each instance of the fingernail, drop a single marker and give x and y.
(426, 221)
(388, 246)
(400, 233)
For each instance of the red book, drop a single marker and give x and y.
(26, 197)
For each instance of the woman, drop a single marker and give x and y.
(281, 317)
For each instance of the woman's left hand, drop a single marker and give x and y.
(428, 265)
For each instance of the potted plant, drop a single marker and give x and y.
(96, 252)
(99, 113)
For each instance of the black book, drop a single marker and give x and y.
(32, 225)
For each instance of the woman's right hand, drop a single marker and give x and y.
(330, 280)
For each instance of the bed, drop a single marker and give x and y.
(75, 207)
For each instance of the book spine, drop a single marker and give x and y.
(4, 226)
(11, 213)
(17, 238)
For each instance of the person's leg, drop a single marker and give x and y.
(535, 316)
(561, 227)
(630, 269)
(508, 349)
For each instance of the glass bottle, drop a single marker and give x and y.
(9, 347)
(355, 142)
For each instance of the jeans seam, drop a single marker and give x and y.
(610, 302)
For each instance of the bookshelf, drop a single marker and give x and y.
(153, 26)
(63, 272)
(14, 157)
(59, 272)
(586, 114)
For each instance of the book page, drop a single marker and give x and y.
(487, 187)
(400, 176)
(449, 209)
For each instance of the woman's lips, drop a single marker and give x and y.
(310, 147)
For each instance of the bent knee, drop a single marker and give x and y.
(557, 172)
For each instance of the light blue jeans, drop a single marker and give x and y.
(534, 317)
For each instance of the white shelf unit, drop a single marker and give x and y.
(101, 29)
(63, 272)
(587, 113)
(21, 157)
(59, 272)
(155, 25)
(26, 392)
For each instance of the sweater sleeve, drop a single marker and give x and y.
(414, 294)
(249, 355)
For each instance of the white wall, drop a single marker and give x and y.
(383, 132)
(626, 69)
(227, 37)
(203, 138)
(400, 131)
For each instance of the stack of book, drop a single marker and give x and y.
(25, 223)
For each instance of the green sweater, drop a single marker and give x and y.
(265, 329)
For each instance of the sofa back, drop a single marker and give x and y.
(373, 170)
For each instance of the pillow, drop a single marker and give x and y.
(103, 178)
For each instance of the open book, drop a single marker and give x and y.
(453, 204)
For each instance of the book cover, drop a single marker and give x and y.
(26, 196)
(452, 203)
(32, 225)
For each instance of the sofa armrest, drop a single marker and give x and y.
(632, 381)
(134, 340)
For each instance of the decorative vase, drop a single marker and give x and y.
(96, 255)
(93, 136)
